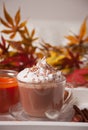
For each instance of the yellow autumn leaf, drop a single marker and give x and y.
(53, 54)
(54, 58)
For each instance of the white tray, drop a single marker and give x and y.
(82, 98)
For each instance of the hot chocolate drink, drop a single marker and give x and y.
(41, 89)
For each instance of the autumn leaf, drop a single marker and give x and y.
(72, 39)
(18, 62)
(4, 46)
(6, 31)
(24, 54)
(4, 23)
(81, 38)
(17, 17)
(23, 24)
(13, 24)
(55, 59)
(16, 45)
(33, 33)
(72, 60)
(28, 37)
(46, 48)
(7, 16)
(83, 29)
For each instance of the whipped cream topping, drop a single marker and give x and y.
(42, 72)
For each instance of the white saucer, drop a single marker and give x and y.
(6, 117)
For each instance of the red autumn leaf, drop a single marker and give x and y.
(19, 61)
(78, 77)
(3, 46)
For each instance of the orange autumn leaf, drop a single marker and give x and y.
(6, 31)
(7, 16)
(17, 17)
(28, 37)
(13, 24)
(26, 30)
(13, 35)
(83, 29)
(33, 32)
(4, 23)
(72, 39)
(81, 37)
(23, 24)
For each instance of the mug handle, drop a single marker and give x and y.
(54, 114)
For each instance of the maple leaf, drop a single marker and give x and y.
(16, 45)
(55, 59)
(3, 46)
(18, 62)
(13, 25)
(80, 38)
(27, 39)
(79, 77)
(72, 60)
(23, 53)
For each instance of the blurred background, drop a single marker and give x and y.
(48, 9)
(51, 18)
